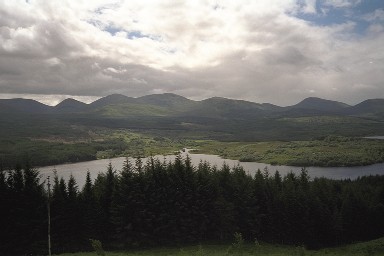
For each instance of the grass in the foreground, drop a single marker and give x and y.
(372, 248)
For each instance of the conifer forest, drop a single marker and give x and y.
(175, 203)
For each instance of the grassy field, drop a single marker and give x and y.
(375, 247)
(329, 151)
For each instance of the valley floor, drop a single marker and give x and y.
(326, 152)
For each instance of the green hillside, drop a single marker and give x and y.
(132, 109)
(70, 131)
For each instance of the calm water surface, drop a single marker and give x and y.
(375, 137)
(79, 170)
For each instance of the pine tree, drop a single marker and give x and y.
(4, 212)
(73, 216)
(89, 213)
(246, 205)
(17, 217)
(122, 207)
(59, 223)
(354, 212)
(106, 202)
(127, 166)
(139, 165)
(224, 207)
(24, 207)
(35, 209)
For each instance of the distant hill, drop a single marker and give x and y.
(313, 103)
(23, 105)
(113, 99)
(271, 107)
(218, 107)
(132, 110)
(70, 106)
(175, 106)
(368, 107)
(214, 118)
(167, 100)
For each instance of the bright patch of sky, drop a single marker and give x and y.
(135, 34)
(336, 12)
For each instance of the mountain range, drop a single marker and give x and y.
(173, 116)
(161, 105)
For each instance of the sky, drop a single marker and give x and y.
(276, 51)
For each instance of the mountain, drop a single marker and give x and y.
(23, 105)
(214, 118)
(270, 107)
(175, 106)
(70, 106)
(368, 107)
(317, 104)
(218, 107)
(112, 99)
(167, 100)
(132, 110)
(117, 105)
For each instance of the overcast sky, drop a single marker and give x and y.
(277, 51)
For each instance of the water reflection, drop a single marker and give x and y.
(375, 137)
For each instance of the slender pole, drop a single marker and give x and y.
(49, 217)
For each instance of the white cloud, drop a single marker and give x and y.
(239, 49)
(309, 7)
(342, 3)
(375, 16)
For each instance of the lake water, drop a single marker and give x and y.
(375, 137)
(79, 170)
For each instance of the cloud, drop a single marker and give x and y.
(375, 16)
(309, 6)
(342, 3)
(254, 50)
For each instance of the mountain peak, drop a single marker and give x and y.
(369, 106)
(319, 104)
(166, 95)
(217, 99)
(24, 105)
(111, 100)
(165, 100)
(70, 101)
(70, 105)
(372, 102)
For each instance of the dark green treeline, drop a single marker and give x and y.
(173, 203)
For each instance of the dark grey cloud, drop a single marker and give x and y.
(253, 50)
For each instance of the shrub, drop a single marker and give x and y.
(96, 245)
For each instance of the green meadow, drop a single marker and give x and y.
(327, 151)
